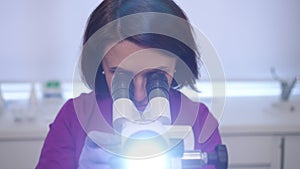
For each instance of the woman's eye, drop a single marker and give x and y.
(112, 71)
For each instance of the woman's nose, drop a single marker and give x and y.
(139, 83)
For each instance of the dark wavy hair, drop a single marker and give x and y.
(111, 10)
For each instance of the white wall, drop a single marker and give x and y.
(251, 35)
(41, 40)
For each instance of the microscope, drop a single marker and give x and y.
(148, 138)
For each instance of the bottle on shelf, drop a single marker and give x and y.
(33, 104)
(52, 99)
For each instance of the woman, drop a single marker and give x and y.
(136, 37)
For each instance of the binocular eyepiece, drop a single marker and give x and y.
(123, 87)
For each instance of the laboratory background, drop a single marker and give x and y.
(257, 43)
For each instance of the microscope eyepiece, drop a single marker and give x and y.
(157, 85)
(121, 86)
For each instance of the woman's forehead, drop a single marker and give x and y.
(127, 55)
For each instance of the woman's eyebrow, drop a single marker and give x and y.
(120, 69)
(163, 67)
(115, 68)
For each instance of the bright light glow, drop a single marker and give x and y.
(160, 162)
(145, 144)
(145, 151)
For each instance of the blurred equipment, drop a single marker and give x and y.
(286, 86)
(52, 99)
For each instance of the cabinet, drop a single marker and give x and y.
(20, 154)
(263, 151)
(252, 151)
(291, 152)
